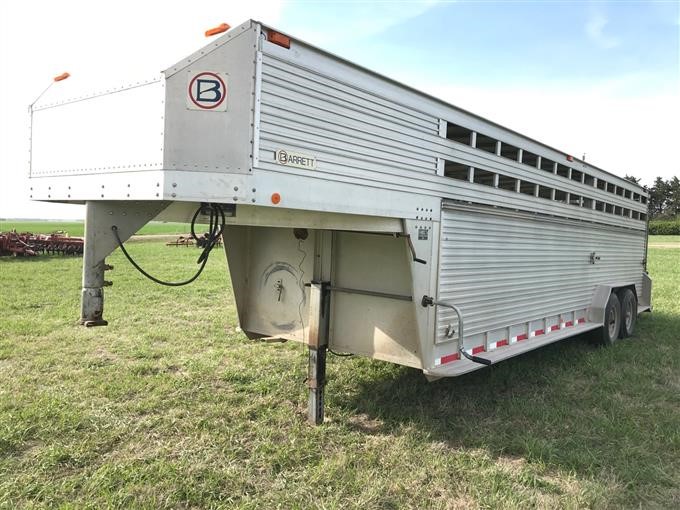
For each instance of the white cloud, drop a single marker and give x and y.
(595, 31)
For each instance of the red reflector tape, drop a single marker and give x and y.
(479, 348)
(554, 327)
(521, 337)
(568, 324)
(581, 320)
(498, 343)
(449, 358)
(446, 359)
(538, 332)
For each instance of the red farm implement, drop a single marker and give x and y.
(28, 245)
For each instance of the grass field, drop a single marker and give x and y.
(77, 228)
(171, 406)
(664, 241)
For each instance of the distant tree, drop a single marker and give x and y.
(673, 197)
(658, 198)
(632, 179)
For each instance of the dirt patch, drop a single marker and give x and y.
(366, 424)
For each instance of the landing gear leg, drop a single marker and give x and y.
(316, 380)
(319, 308)
(100, 216)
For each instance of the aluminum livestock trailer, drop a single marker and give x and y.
(358, 214)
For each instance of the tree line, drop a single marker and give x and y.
(664, 198)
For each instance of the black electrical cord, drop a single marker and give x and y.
(216, 227)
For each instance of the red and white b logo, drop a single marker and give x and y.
(207, 91)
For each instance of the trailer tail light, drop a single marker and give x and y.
(61, 77)
(279, 38)
(223, 27)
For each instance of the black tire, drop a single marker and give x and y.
(612, 321)
(628, 313)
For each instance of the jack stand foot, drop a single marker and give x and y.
(89, 324)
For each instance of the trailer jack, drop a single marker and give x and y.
(430, 301)
(319, 309)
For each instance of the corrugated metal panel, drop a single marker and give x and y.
(325, 65)
(341, 125)
(363, 138)
(503, 269)
(486, 161)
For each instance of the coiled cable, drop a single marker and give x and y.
(216, 228)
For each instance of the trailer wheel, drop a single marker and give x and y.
(628, 313)
(612, 320)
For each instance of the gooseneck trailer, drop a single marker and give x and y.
(358, 214)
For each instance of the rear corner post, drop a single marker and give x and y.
(100, 216)
(319, 311)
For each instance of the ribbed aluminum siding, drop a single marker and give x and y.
(361, 137)
(346, 128)
(503, 269)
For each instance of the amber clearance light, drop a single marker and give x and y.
(223, 27)
(278, 38)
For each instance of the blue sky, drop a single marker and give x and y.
(601, 78)
(585, 77)
(472, 43)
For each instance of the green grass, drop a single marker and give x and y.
(76, 228)
(171, 406)
(665, 240)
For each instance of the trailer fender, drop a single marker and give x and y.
(600, 298)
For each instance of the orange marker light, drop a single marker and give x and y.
(61, 77)
(217, 30)
(280, 39)
(276, 198)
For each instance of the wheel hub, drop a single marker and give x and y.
(613, 319)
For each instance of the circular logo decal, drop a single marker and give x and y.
(207, 90)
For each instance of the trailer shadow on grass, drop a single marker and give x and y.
(572, 405)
